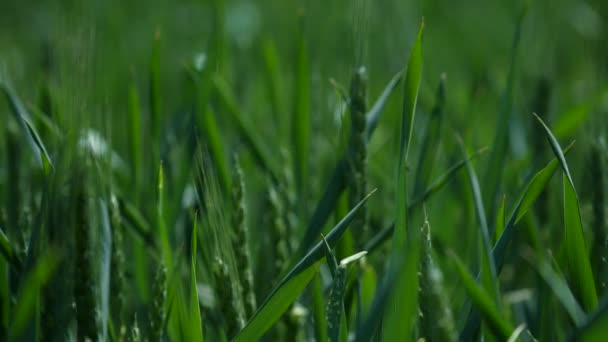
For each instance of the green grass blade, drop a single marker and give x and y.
(560, 288)
(486, 259)
(430, 142)
(273, 80)
(23, 118)
(330, 258)
(6, 249)
(28, 296)
(207, 124)
(483, 301)
(499, 224)
(402, 308)
(301, 111)
(496, 162)
(373, 115)
(413, 76)
(579, 268)
(196, 324)
(294, 282)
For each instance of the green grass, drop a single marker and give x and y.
(202, 172)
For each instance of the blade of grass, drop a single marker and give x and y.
(23, 118)
(483, 301)
(294, 282)
(6, 249)
(373, 115)
(402, 308)
(579, 267)
(28, 296)
(273, 80)
(486, 260)
(560, 289)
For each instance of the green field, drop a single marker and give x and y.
(240, 170)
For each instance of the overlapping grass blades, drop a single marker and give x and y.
(530, 193)
(578, 265)
(402, 306)
(499, 326)
(293, 283)
(337, 182)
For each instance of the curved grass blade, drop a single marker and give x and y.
(579, 267)
(499, 326)
(373, 115)
(385, 234)
(401, 311)
(496, 162)
(518, 331)
(23, 118)
(486, 259)
(294, 282)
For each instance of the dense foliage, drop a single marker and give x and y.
(293, 171)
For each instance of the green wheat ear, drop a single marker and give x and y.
(84, 288)
(117, 265)
(240, 239)
(157, 313)
(226, 291)
(436, 320)
(357, 153)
